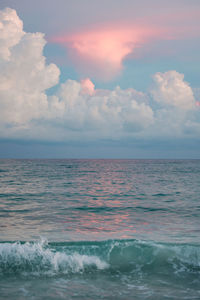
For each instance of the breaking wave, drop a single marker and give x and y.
(121, 256)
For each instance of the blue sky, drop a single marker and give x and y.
(100, 79)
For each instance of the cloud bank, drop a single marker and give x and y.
(78, 111)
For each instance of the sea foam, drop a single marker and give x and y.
(38, 258)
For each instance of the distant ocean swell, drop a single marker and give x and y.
(113, 256)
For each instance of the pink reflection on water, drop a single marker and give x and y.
(111, 205)
(111, 225)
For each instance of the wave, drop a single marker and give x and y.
(115, 256)
(41, 258)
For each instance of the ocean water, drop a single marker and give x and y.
(99, 229)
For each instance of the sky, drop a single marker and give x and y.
(100, 79)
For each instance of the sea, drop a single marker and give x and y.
(99, 229)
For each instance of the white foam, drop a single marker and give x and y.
(38, 258)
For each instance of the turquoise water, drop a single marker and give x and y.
(100, 229)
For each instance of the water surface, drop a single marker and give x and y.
(99, 229)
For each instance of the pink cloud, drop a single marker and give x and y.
(101, 51)
(87, 86)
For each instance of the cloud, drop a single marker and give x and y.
(101, 50)
(110, 113)
(24, 74)
(11, 31)
(171, 89)
(98, 46)
(78, 111)
(87, 86)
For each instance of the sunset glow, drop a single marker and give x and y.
(103, 50)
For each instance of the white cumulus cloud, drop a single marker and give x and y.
(11, 31)
(171, 89)
(24, 74)
(108, 113)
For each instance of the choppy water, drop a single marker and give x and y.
(100, 229)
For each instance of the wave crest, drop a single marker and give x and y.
(41, 258)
